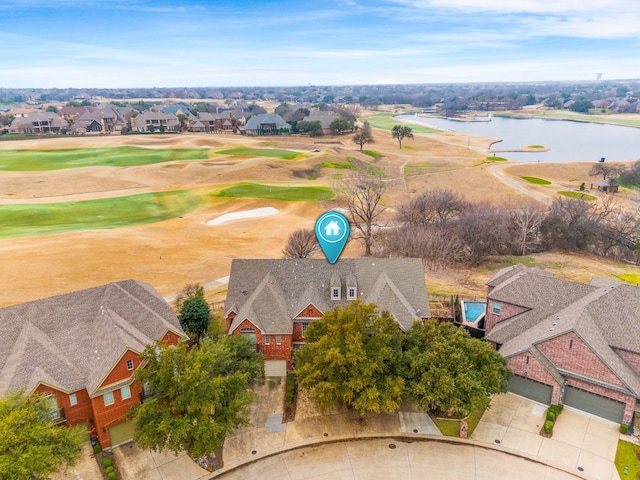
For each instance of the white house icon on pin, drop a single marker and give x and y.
(332, 229)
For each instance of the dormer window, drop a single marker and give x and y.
(352, 287)
(336, 287)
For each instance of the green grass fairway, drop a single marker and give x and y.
(536, 180)
(47, 218)
(272, 192)
(38, 160)
(262, 152)
(578, 195)
(344, 166)
(387, 122)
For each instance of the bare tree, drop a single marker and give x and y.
(361, 194)
(301, 244)
(607, 170)
(350, 112)
(363, 136)
(525, 225)
(437, 245)
(484, 230)
(432, 206)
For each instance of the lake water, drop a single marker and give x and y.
(568, 141)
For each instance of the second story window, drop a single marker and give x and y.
(497, 306)
(304, 329)
(73, 400)
(108, 399)
(267, 340)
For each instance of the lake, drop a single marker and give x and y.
(568, 141)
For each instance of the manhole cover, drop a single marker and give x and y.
(326, 434)
(415, 430)
(253, 452)
(496, 441)
(580, 469)
(392, 446)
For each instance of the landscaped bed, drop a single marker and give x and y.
(42, 160)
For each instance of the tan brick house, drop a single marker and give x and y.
(568, 342)
(82, 349)
(274, 301)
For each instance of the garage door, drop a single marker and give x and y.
(275, 368)
(121, 433)
(593, 403)
(525, 387)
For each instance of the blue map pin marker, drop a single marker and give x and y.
(332, 232)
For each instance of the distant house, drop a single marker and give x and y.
(325, 119)
(39, 123)
(568, 342)
(211, 122)
(151, 121)
(104, 119)
(266, 124)
(82, 350)
(607, 186)
(70, 113)
(273, 302)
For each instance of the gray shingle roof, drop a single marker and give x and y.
(72, 341)
(256, 122)
(271, 293)
(604, 314)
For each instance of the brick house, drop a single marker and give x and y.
(82, 349)
(159, 122)
(568, 342)
(266, 124)
(274, 301)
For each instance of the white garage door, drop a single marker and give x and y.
(121, 433)
(275, 368)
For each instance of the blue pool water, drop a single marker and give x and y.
(474, 310)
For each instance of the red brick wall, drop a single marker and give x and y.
(507, 310)
(535, 371)
(310, 312)
(107, 416)
(79, 413)
(230, 318)
(120, 371)
(632, 358)
(579, 358)
(628, 400)
(271, 351)
(171, 338)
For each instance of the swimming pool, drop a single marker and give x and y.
(473, 311)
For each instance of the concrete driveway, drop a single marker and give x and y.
(581, 443)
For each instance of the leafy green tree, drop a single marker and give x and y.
(340, 125)
(363, 136)
(195, 316)
(52, 109)
(448, 371)
(582, 105)
(400, 132)
(313, 128)
(350, 358)
(199, 395)
(31, 447)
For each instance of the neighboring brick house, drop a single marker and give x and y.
(274, 301)
(82, 349)
(266, 124)
(151, 121)
(325, 119)
(38, 123)
(568, 342)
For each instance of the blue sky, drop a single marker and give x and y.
(159, 43)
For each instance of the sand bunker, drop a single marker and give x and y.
(257, 212)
